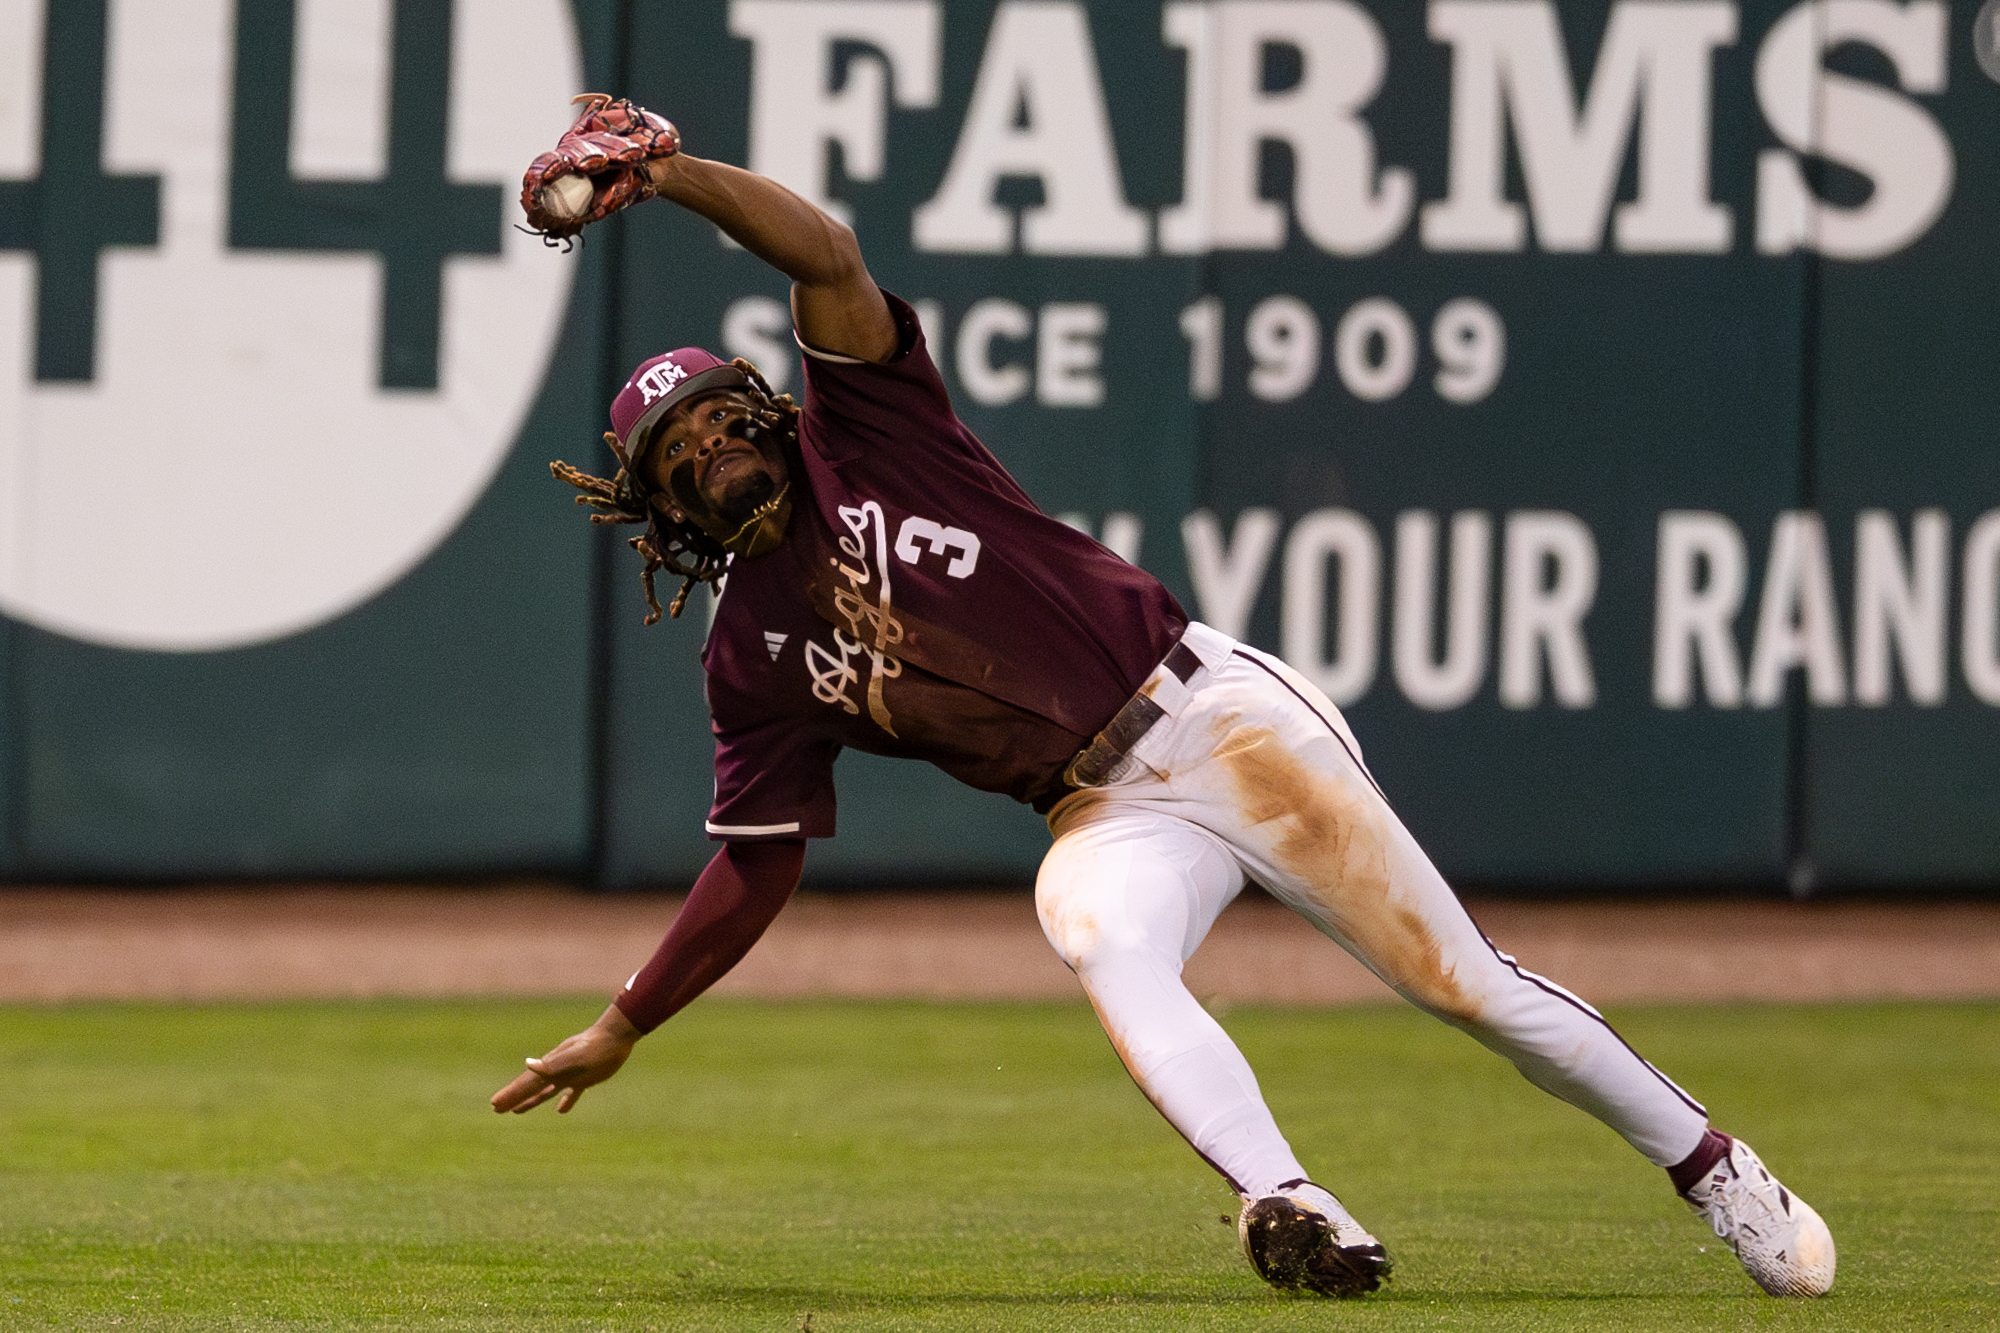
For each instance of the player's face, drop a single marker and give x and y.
(709, 459)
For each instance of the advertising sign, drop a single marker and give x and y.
(1589, 397)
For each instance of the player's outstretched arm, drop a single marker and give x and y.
(836, 305)
(733, 901)
(588, 1058)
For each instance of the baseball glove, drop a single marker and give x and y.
(606, 151)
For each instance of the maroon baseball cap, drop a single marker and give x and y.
(664, 382)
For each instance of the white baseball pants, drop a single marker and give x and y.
(1254, 776)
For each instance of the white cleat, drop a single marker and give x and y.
(1301, 1239)
(1783, 1244)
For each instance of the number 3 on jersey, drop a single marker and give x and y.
(961, 546)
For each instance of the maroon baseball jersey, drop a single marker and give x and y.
(920, 606)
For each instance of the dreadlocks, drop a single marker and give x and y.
(680, 547)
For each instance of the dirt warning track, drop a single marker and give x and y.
(217, 944)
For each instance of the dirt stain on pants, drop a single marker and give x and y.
(1334, 848)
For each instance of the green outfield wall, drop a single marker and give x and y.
(1595, 399)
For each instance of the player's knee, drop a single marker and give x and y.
(1073, 910)
(1092, 936)
(1106, 955)
(1081, 937)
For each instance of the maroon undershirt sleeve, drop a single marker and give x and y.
(739, 894)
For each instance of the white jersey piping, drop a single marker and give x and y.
(749, 830)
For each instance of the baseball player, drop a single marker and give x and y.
(890, 588)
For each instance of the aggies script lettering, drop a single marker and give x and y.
(871, 627)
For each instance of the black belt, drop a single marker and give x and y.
(1098, 762)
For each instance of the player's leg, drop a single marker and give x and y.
(1125, 896)
(1263, 759)
(1283, 782)
(1429, 949)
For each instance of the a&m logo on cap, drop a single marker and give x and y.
(654, 384)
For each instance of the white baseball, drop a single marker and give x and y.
(567, 197)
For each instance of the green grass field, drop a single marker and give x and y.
(940, 1167)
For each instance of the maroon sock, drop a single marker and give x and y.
(1687, 1172)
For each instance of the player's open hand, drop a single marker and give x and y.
(588, 1058)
